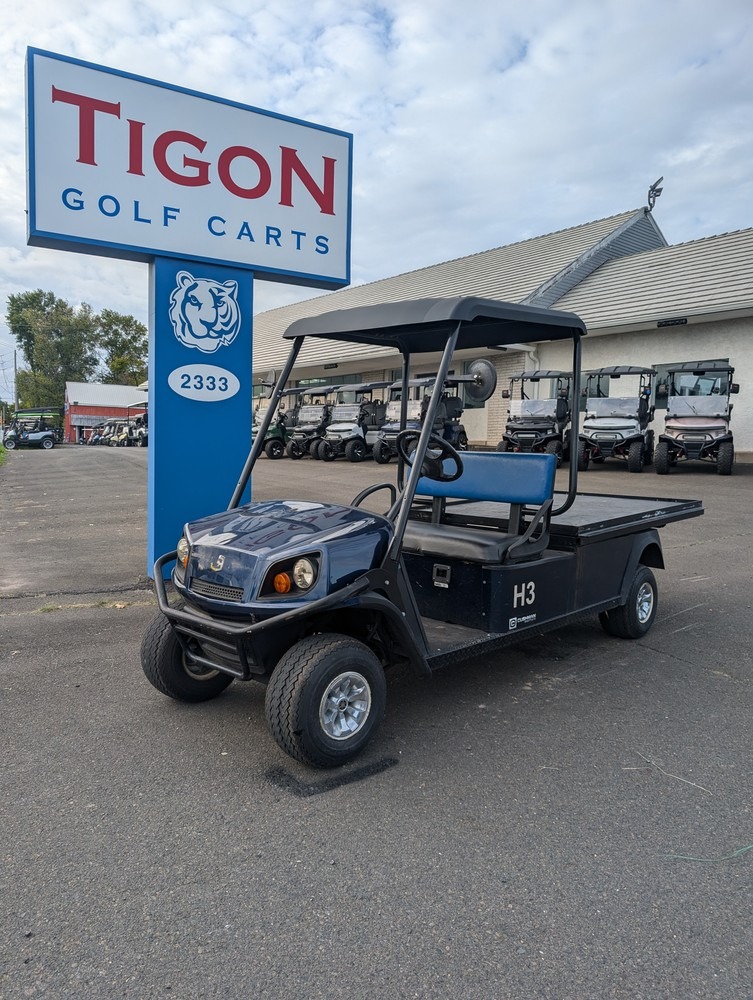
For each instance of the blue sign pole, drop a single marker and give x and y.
(200, 393)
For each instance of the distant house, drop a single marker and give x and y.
(89, 404)
(643, 301)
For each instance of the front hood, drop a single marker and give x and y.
(342, 429)
(715, 424)
(623, 424)
(233, 552)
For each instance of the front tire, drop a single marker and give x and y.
(661, 458)
(633, 619)
(636, 456)
(325, 699)
(168, 669)
(293, 449)
(325, 452)
(555, 448)
(355, 451)
(584, 456)
(725, 458)
(382, 453)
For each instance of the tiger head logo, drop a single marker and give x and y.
(204, 313)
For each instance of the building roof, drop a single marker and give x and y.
(535, 271)
(99, 394)
(704, 279)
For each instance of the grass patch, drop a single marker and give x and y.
(3, 453)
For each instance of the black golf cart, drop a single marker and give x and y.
(696, 426)
(538, 424)
(474, 550)
(313, 418)
(617, 426)
(280, 430)
(480, 381)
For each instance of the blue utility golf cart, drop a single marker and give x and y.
(474, 550)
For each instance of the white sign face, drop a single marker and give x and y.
(128, 167)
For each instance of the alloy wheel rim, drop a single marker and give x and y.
(645, 603)
(345, 706)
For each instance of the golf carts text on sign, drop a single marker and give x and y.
(475, 549)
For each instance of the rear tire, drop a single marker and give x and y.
(48, 444)
(293, 450)
(633, 619)
(636, 456)
(167, 668)
(274, 448)
(10, 444)
(325, 699)
(725, 458)
(661, 459)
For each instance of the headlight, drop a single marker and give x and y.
(304, 574)
(184, 550)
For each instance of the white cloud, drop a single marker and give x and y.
(474, 124)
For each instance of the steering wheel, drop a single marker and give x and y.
(436, 452)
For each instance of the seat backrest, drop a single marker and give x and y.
(643, 411)
(454, 406)
(504, 477)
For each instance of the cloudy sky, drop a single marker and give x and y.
(475, 124)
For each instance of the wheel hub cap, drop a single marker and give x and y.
(345, 706)
(645, 603)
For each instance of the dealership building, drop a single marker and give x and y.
(644, 301)
(87, 405)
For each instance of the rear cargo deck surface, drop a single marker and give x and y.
(591, 515)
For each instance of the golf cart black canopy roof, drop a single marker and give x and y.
(362, 386)
(701, 367)
(423, 325)
(536, 374)
(614, 371)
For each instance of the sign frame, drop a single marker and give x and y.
(92, 202)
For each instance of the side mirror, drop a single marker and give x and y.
(661, 388)
(734, 388)
(505, 394)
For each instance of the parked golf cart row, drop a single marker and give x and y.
(121, 433)
(355, 421)
(617, 426)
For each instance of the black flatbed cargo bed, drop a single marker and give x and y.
(593, 516)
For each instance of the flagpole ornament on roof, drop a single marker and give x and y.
(653, 193)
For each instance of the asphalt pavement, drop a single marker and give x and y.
(569, 819)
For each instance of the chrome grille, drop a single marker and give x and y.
(216, 590)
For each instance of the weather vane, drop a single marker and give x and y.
(653, 193)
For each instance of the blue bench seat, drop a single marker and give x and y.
(524, 481)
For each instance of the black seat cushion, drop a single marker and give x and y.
(449, 541)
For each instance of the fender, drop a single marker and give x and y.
(646, 550)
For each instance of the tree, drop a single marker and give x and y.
(62, 344)
(123, 342)
(59, 344)
(23, 309)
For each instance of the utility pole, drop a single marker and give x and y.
(15, 380)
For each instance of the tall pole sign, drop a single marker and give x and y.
(210, 193)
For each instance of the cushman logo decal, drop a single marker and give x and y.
(217, 564)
